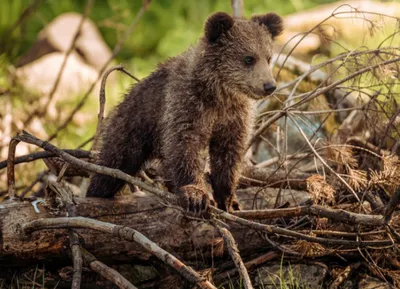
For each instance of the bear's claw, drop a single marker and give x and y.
(194, 199)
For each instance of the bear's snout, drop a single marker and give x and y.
(269, 87)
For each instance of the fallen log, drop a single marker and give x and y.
(162, 224)
(254, 176)
(183, 237)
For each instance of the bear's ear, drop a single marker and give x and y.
(217, 24)
(272, 21)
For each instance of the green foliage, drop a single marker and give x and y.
(167, 28)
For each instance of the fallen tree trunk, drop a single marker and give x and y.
(162, 224)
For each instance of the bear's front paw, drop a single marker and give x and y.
(234, 205)
(194, 199)
(230, 204)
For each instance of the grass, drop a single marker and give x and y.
(23, 280)
(286, 278)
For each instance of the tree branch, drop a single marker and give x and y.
(234, 252)
(106, 272)
(125, 233)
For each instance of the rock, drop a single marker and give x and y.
(40, 76)
(373, 283)
(58, 35)
(293, 276)
(39, 67)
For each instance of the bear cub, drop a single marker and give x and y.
(199, 100)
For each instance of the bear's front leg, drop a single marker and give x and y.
(183, 165)
(227, 148)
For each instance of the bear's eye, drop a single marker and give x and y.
(269, 59)
(249, 60)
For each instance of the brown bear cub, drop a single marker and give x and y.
(201, 99)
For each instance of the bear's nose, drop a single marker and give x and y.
(269, 87)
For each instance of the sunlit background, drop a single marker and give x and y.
(167, 28)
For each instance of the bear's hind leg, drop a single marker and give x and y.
(129, 161)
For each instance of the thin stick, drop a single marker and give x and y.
(10, 168)
(275, 160)
(129, 74)
(76, 258)
(102, 102)
(346, 234)
(85, 142)
(322, 160)
(102, 99)
(85, 14)
(42, 109)
(264, 127)
(43, 155)
(297, 235)
(334, 14)
(116, 50)
(392, 205)
(106, 272)
(366, 146)
(24, 15)
(249, 265)
(68, 202)
(314, 210)
(67, 198)
(318, 92)
(309, 96)
(271, 213)
(125, 233)
(234, 252)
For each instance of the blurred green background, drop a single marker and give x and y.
(166, 29)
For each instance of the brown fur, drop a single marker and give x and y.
(201, 99)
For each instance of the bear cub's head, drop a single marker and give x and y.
(241, 51)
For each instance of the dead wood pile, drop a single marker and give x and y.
(322, 182)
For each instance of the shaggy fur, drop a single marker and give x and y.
(201, 99)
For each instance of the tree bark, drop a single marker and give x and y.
(166, 226)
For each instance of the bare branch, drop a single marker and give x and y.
(77, 259)
(10, 168)
(102, 100)
(42, 155)
(22, 17)
(323, 161)
(310, 95)
(314, 210)
(249, 265)
(125, 233)
(42, 109)
(106, 272)
(115, 51)
(234, 252)
(289, 233)
(392, 205)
